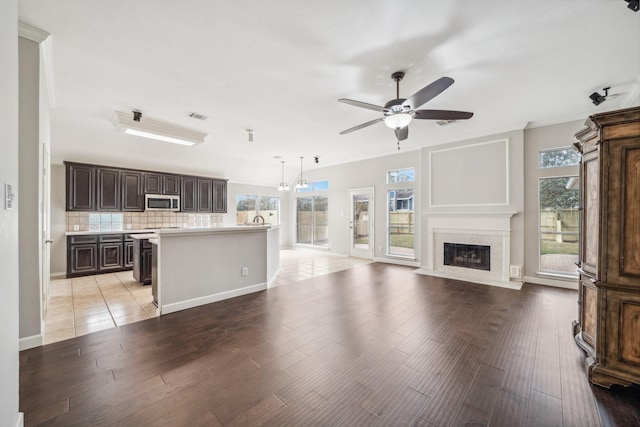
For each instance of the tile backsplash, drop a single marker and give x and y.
(93, 221)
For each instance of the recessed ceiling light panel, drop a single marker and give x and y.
(157, 129)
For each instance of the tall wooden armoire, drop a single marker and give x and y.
(608, 326)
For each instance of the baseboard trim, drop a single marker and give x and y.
(499, 283)
(398, 261)
(20, 420)
(557, 283)
(58, 275)
(31, 342)
(208, 299)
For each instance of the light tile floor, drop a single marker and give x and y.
(88, 304)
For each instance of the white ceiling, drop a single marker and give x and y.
(279, 67)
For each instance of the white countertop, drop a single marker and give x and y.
(144, 236)
(80, 233)
(174, 231)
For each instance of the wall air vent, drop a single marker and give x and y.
(197, 116)
(447, 122)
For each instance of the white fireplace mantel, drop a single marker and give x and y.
(490, 228)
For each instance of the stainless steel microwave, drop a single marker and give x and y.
(161, 202)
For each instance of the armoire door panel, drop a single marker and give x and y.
(591, 210)
(631, 213)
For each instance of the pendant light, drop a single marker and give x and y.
(301, 182)
(283, 185)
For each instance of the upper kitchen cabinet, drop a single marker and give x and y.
(155, 183)
(108, 194)
(196, 195)
(220, 196)
(132, 191)
(81, 185)
(205, 195)
(188, 197)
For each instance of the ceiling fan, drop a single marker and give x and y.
(399, 112)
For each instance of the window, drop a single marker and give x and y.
(401, 223)
(314, 186)
(249, 208)
(401, 175)
(558, 158)
(312, 220)
(559, 222)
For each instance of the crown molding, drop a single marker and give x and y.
(43, 38)
(32, 33)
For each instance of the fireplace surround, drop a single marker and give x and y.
(467, 256)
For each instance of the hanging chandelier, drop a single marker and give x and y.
(302, 183)
(283, 185)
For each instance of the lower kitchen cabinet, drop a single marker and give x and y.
(142, 259)
(82, 255)
(89, 254)
(128, 255)
(110, 252)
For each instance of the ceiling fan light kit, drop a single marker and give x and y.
(137, 125)
(398, 113)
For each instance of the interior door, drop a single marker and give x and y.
(46, 225)
(361, 223)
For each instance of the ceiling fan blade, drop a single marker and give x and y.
(402, 133)
(363, 125)
(428, 92)
(442, 115)
(363, 105)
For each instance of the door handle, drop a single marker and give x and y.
(48, 241)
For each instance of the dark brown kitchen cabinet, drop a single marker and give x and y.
(132, 191)
(219, 196)
(99, 253)
(82, 255)
(189, 195)
(128, 255)
(152, 183)
(110, 252)
(205, 195)
(171, 185)
(108, 190)
(142, 258)
(81, 187)
(157, 183)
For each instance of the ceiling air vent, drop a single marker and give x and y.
(197, 116)
(447, 122)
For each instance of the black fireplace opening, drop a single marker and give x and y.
(468, 256)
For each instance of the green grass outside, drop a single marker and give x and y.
(553, 247)
(401, 240)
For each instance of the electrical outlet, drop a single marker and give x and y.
(515, 271)
(245, 271)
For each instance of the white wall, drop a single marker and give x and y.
(9, 317)
(536, 139)
(29, 176)
(487, 164)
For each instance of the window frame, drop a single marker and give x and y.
(313, 224)
(257, 200)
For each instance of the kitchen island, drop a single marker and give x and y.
(201, 266)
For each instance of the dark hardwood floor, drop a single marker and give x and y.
(373, 345)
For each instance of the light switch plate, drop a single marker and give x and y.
(8, 196)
